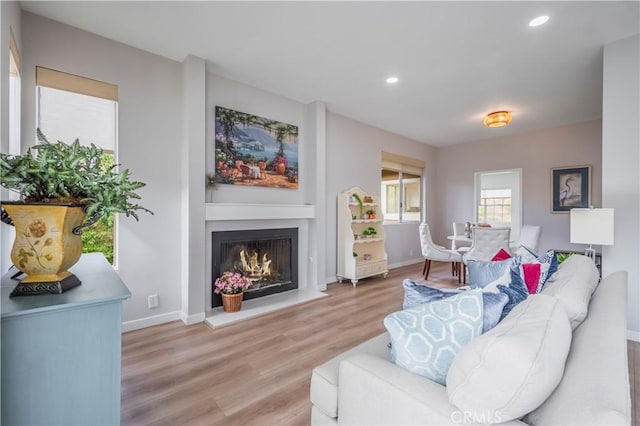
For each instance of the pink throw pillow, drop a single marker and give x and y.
(530, 271)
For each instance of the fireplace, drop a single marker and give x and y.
(269, 257)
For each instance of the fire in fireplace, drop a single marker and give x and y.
(268, 257)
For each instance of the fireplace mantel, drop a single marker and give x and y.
(241, 211)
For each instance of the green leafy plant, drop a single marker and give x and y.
(71, 173)
(372, 231)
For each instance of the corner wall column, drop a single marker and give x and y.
(192, 221)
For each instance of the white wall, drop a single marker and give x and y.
(536, 153)
(620, 161)
(150, 141)
(354, 153)
(9, 19)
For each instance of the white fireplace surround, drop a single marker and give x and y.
(233, 216)
(236, 211)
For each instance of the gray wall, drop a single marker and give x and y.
(354, 154)
(620, 160)
(149, 144)
(536, 153)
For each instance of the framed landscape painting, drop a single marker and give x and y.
(255, 151)
(570, 188)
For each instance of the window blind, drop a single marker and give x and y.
(73, 83)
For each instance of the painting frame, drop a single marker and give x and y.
(570, 188)
(255, 151)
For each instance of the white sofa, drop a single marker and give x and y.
(362, 385)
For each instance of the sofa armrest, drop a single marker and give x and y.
(376, 391)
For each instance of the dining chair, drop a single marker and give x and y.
(529, 238)
(432, 252)
(486, 242)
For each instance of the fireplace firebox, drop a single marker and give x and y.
(268, 257)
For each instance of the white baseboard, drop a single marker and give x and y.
(633, 335)
(151, 321)
(193, 319)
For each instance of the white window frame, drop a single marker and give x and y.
(401, 165)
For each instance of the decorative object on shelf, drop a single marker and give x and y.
(246, 154)
(360, 204)
(570, 188)
(497, 119)
(368, 199)
(354, 217)
(366, 256)
(371, 214)
(355, 254)
(59, 187)
(231, 286)
(467, 229)
(592, 226)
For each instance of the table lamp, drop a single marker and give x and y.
(592, 226)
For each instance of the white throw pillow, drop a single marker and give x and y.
(573, 284)
(512, 369)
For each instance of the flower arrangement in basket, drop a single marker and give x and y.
(231, 283)
(231, 286)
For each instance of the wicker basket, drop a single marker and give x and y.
(231, 302)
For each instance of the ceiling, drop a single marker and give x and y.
(456, 60)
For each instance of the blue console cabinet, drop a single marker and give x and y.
(61, 354)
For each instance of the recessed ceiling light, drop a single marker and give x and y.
(392, 80)
(535, 22)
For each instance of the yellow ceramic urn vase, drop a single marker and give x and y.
(45, 246)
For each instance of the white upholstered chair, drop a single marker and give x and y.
(529, 238)
(431, 251)
(486, 243)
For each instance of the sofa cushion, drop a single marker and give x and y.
(493, 303)
(500, 276)
(513, 368)
(425, 339)
(573, 284)
(324, 378)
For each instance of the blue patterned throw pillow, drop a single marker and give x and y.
(416, 294)
(426, 338)
(501, 276)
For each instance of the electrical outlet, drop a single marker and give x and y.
(152, 301)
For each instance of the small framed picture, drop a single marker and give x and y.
(570, 188)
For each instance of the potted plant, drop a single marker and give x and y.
(60, 185)
(366, 233)
(372, 231)
(371, 214)
(231, 286)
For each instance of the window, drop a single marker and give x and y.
(495, 206)
(401, 188)
(70, 107)
(498, 199)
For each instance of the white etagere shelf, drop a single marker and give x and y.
(360, 255)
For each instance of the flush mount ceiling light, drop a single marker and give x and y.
(535, 22)
(392, 80)
(497, 119)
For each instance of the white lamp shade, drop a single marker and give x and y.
(592, 226)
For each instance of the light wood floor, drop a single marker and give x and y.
(257, 372)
